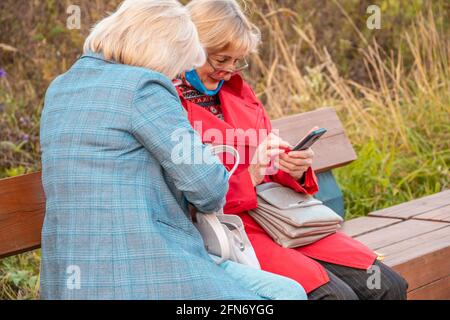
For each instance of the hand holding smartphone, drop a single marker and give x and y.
(310, 139)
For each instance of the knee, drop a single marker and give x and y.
(343, 292)
(395, 288)
(390, 286)
(333, 290)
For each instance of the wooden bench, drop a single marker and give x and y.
(22, 209)
(414, 238)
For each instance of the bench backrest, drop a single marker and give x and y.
(332, 150)
(22, 208)
(22, 198)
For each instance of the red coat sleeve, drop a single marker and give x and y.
(310, 185)
(241, 194)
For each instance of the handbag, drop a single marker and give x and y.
(293, 219)
(224, 235)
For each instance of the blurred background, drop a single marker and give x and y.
(390, 87)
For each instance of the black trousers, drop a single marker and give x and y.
(379, 283)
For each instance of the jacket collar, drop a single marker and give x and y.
(234, 85)
(96, 55)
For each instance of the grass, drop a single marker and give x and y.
(391, 89)
(398, 120)
(19, 276)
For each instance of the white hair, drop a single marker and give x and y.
(222, 25)
(155, 34)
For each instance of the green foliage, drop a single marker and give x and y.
(382, 176)
(19, 276)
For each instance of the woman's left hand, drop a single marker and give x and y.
(296, 163)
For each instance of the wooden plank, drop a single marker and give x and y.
(425, 269)
(404, 251)
(362, 225)
(439, 214)
(438, 290)
(398, 232)
(422, 259)
(296, 126)
(22, 208)
(332, 150)
(332, 153)
(416, 207)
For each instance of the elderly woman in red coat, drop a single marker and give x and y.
(218, 100)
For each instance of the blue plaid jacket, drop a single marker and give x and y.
(116, 223)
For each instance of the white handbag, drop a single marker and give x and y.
(224, 234)
(293, 219)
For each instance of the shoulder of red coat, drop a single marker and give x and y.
(238, 86)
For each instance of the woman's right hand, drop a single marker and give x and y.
(269, 149)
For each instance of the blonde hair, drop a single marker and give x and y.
(222, 25)
(155, 34)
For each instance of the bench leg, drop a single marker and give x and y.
(330, 193)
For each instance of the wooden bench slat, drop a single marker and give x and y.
(332, 150)
(439, 214)
(22, 209)
(437, 290)
(415, 207)
(331, 153)
(359, 226)
(399, 232)
(298, 125)
(422, 259)
(419, 250)
(418, 247)
(403, 251)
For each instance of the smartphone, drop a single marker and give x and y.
(309, 140)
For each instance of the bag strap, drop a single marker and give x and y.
(228, 149)
(219, 231)
(211, 218)
(235, 237)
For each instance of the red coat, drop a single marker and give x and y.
(242, 110)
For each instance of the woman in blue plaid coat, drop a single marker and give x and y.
(117, 223)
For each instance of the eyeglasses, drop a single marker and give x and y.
(221, 63)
